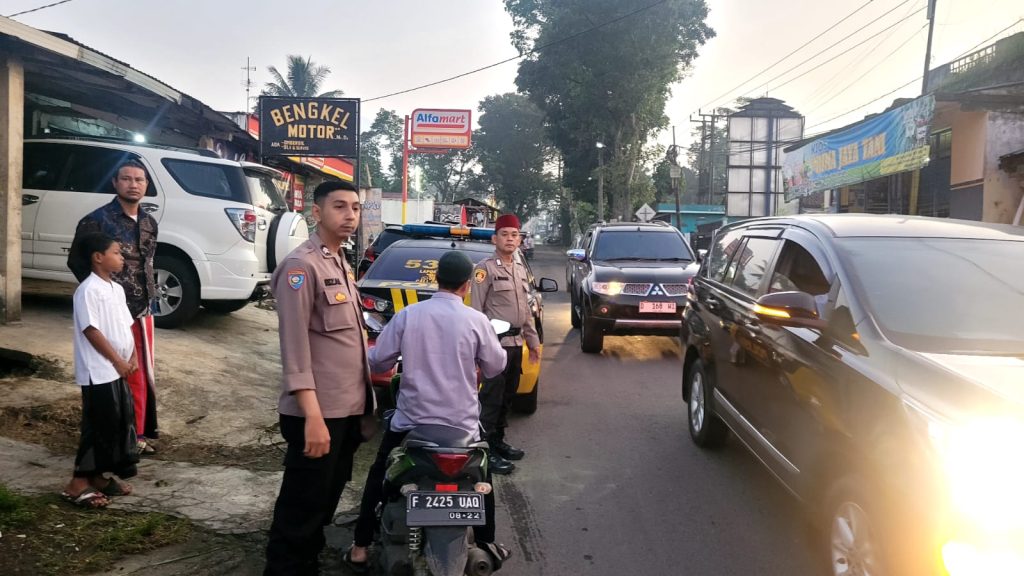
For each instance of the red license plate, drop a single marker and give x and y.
(658, 307)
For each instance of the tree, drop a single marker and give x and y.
(449, 173)
(383, 143)
(663, 184)
(607, 85)
(303, 79)
(514, 153)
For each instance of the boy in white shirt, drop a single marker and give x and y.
(104, 356)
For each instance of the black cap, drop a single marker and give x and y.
(454, 267)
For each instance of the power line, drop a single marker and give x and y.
(533, 50)
(865, 41)
(37, 9)
(784, 58)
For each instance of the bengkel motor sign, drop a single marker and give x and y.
(441, 128)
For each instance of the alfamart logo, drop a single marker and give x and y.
(457, 121)
(438, 128)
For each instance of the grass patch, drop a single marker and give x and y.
(42, 535)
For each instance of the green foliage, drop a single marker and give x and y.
(303, 78)
(448, 174)
(608, 85)
(382, 143)
(513, 153)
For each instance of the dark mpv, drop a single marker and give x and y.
(875, 365)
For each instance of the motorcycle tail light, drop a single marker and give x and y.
(446, 487)
(450, 464)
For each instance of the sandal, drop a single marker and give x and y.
(356, 567)
(90, 499)
(116, 488)
(145, 448)
(499, 553)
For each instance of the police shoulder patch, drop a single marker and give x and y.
(296, 278)
(480, 275)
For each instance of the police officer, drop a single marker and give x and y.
(326, 393)
(501, 290)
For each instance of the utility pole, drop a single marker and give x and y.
(600, 182)
(248, 83)
(675, 173)
(928, 49)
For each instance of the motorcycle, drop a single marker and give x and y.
(435, 486)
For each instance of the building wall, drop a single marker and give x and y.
(968, 167)
(1002, 190)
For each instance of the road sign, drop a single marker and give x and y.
(645, 213)
(446, 129)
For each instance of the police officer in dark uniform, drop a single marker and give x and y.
(326, 400)
(501, 290)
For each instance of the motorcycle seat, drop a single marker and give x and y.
(440, 436)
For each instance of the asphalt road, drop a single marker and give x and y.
(612, 485)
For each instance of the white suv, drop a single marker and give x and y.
(222, 224)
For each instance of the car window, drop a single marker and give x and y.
(841, 325)
(92, 169)
(752, 264)
(640, 245)
(414, 263)
(797, 270)
(44, 166)
(265, 194)
(221, 181)
(721, 254)
(387, 238)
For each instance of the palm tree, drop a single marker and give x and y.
(304, 79)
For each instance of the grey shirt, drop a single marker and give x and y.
(442, 341)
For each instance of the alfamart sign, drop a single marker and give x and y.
(893, 142)
(441, 128)
(324, 127)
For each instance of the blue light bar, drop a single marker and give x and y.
(442, 231)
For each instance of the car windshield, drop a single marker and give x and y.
(414, 263)
(942, 295)
(265, 193)
(640, 245)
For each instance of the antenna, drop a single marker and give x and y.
(248, 83)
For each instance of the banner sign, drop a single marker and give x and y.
(441, 128)
(322, 127)
(893, 142)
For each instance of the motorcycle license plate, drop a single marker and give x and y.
(658, 307)
(444, 509)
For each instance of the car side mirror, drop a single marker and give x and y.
(577, 255)
(548, 285)
(797, 309)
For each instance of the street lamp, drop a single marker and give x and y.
(600, 181)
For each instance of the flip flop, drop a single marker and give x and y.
(356, 567)
(145, 448)
(89, 499)
(116, 488)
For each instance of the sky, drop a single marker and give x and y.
(377, 47)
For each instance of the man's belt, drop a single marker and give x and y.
(512, 332)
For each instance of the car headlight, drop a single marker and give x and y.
(607, 288)
(982, 475)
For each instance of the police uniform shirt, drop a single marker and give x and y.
(323, 346)
(502, 292)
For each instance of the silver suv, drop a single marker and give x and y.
(223, 224)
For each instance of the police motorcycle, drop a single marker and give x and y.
(435, 486)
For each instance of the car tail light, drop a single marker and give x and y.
(244, 221)
(450, 464)
(374, 304)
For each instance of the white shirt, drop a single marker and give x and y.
(102, 305)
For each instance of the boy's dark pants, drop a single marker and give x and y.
(107, 442)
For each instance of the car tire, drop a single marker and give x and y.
(574, 316)
(854, 540)
(224, 306)
(706, 429)
(177, 290)
(591, 337)
(526, 403)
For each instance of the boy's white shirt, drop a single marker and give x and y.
(102, 305)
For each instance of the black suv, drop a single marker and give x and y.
(875, 364)
(628, 278)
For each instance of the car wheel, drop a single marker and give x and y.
(224, 306)
(706, 430)
(591, 337)
(855, 542)
(177, 289)
(574, 316)
(526, 403)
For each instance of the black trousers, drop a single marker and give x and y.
(107, 442)
(497, 393)
(373, 494)
(309, 495)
